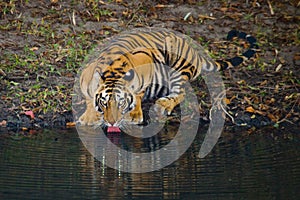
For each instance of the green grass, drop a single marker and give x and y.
(29, 71)
(7, 7)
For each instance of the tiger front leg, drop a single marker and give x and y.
(90, 116)
(136, 115)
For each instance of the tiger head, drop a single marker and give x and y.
(120, 83)
(114, 100)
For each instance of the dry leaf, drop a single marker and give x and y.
(3, 123)
(260, 112)
(264, 83)
(223, 9)
(272, 117)
(278, 67)
(32, 131)
(29, 113)
(71, 124)
(250, 109)
(247, 100)
(270, 101)
(241, 82)
(227, 101)
(263, 107)
(34, 48)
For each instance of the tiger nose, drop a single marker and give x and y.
(112, 118)
(112, 122)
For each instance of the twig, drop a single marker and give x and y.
(2, 73)
(73, 18)
(134, 14)
(202, 17)
(164, 6)
(271, 8)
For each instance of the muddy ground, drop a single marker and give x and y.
(43, 44)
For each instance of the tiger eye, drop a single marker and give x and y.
(129, 75)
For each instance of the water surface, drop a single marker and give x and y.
(55, 164)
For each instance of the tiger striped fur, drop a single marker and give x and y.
(132, 68)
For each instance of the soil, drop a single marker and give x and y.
(43, 45)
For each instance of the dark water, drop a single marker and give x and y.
(55, 165)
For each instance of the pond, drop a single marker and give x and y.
(54, 164)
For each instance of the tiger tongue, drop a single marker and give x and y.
(113, 129)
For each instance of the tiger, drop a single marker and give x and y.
(130, 70)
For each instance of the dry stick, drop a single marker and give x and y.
(271, 8)
(2, 72)
(73, 18)
(134, 14)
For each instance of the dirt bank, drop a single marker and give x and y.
(43, 43)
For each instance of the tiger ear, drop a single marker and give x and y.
(98, 74)
(96, 80)
(90, 79)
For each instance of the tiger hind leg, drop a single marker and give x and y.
(176, 94)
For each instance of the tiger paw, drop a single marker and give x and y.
(136, 116)
(163, 105)
(89, 118)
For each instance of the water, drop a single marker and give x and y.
(54, 164)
